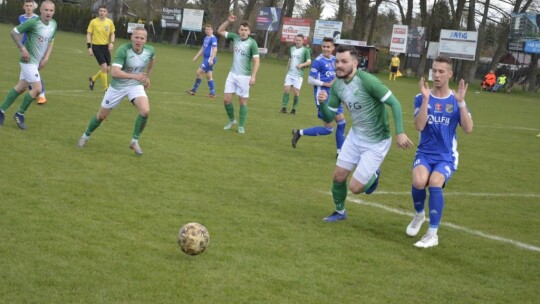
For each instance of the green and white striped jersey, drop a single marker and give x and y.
(244, 51)
(130, 62)
(365, 97)
(38, 38)
(298, 56)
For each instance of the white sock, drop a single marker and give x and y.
(432, 231)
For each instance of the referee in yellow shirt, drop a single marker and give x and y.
(100, 42)
(394, 67)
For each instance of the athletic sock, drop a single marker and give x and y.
(196, 84)
(92, 125)
(97, 76)
(339, 194)
(27, 101)
(370, 182)
(104, 81)
(211, 86)
(42, 89)
(229, 109)
(436, 205)
(140, 123)
(285, 100)
(295, 103)
(340, 133)
(10, 98)
(419, 198)
(243, 115)
(316, 131)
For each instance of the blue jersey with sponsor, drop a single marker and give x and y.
(209, 43)
(323, 69)
(438, 140)
(23, 18)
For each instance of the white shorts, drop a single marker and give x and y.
(366, 156)
(29, 72)
(237, 84)
(113, 96)
(295, 81)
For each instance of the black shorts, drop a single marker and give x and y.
(102, 54)
(393, 69)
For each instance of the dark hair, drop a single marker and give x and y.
(26, 1)
(102, 6)
(444, 59)
(300, 35)
(245, 24)
(342, 48)
(328, 39)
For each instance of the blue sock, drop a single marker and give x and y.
(436, 205)
(316, 131)
(42, 87)
(340, 133)
(419, 198)
(196, 85)
(211, 86)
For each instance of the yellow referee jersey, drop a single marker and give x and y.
(101, 30)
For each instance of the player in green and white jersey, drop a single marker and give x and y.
(299, 58)
(128, 79)
(242, 75)
(369, 139)
(35, 52)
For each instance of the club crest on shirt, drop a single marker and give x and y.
(449, 108)
(438, 107)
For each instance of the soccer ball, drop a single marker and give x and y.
(193, 238)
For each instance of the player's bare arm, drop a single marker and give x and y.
(89, 43)
(465, 118)
(17, 38)
(222, 30)
(421, 118)
(256, 63)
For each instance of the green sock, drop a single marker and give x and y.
(243, 114)
(10, 98)
(285, 99)
(339, 193)
(295, 103)
(140, 123)
(229, 108)
(27, 101)
(94, 124)
(370, 182)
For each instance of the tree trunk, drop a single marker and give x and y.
(481, 39)
(533, 70)
(359, 27)
(471, 26)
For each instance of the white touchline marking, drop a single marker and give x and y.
(468, 194)
(467, 230)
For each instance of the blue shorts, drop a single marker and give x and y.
(319, 114)
(205, 66)
(445, 168)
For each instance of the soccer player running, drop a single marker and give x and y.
(34, 56)
(100, 42)
(299, 58)
(369, 140)
(242, 75)
(29, 6)
(437, 113)
(128, 79)
(322, 76)
(209, 52)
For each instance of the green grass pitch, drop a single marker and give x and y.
(98, 225)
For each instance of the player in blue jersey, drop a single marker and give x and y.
(209, 52)
(322, 76)
(29, 7)
(437, 113)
